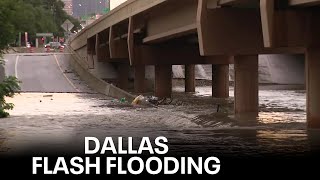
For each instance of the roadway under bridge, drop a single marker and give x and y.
(163, 33)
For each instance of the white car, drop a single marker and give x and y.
(54, 45)
(28, 45)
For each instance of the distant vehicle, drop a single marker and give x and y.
(28, 45)
(54, 45)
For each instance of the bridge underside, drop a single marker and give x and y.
(165, 33)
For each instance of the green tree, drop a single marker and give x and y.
(19, 16)
(55, 9)
(8, 28)
(8, 88)
(32, 16)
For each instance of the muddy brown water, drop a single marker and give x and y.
(45, 121)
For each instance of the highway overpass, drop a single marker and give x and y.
(163, 33)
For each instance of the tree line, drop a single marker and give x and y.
(32, 16)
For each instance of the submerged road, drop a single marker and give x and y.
(48, 122)
(47, 73)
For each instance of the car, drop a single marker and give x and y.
(54, 45)
(28, 45)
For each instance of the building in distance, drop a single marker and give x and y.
(85, 9)
(68, 7)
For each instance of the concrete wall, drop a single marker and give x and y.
(103, 70)
(108, 71)
(82, 52)
(202, 71)
(282, 69)
(274, 69)
(79, 65)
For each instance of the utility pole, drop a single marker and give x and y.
(53, 10)
(19, 41)
(96, 7)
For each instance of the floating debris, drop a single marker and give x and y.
(50, 95)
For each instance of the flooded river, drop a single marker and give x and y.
(60, 121)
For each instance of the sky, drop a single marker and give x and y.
(115, 3)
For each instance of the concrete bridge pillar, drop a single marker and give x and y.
(163, 81)
(123, 75)
(139, 78)
(220, 80)
(246, 85)
(313, 87)
(91, 52)
(190, 85)
(97, 47)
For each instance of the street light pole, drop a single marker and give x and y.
(95, 7)
(84, 3)
(85, 8)
(85, 11)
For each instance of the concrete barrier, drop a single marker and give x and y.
(28, 50)
(94, 82)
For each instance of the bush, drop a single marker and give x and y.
(8, 88)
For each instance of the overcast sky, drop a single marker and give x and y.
(115, 3)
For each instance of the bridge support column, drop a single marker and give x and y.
(190, 85)
(139, 78)
(313, 88)
(90, 52)
(246, 86)
(163, 81)
(220, 81)
(123, 75)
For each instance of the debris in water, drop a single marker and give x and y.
(153, 100)
(123, 100)
(49, 95)
(140, 100)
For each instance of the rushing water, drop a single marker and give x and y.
(190, 122)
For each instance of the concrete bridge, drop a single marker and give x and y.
(163, 33)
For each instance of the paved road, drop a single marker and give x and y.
(44, 73)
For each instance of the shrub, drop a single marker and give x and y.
(8, 87)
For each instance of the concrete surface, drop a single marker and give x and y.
(96, 83)
(43, 73)
(273, 69)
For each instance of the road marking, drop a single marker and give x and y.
(55, 57)
(16, 66)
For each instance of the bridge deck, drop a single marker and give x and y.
(217, 32)
(217, 27)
